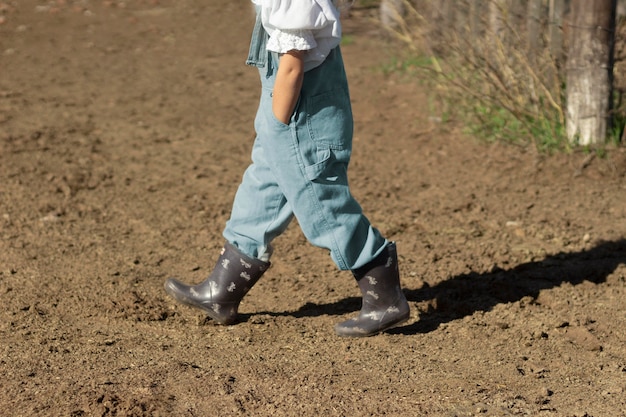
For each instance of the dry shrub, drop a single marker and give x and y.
(487, 69)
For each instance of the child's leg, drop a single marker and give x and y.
(260, 210)
(259, 214)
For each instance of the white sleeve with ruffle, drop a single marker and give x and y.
(305, 25)
(286, 40)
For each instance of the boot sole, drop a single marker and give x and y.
(379, 331)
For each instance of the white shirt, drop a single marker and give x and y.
(305, 25)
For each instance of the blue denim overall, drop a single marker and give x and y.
(301, 169)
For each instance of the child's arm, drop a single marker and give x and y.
(287, 85)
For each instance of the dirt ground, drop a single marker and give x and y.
(124, 131)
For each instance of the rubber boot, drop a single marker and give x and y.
(220, 294)
(384, 304)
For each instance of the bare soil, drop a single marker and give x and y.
(124, 131)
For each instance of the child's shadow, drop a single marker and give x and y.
(468, 293)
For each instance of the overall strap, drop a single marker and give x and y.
(257, 56)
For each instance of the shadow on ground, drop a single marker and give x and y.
(466, 294)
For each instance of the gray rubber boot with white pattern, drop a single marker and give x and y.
(220, 294)
(384, 304)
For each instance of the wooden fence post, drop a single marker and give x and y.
(589, 70)
(497, 24)
(474, 13)
(533, 27)
(391, 13)
(555, 30)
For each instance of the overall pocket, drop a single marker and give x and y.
(329, 119)
(266, 123)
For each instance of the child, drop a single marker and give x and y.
(299, 168)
